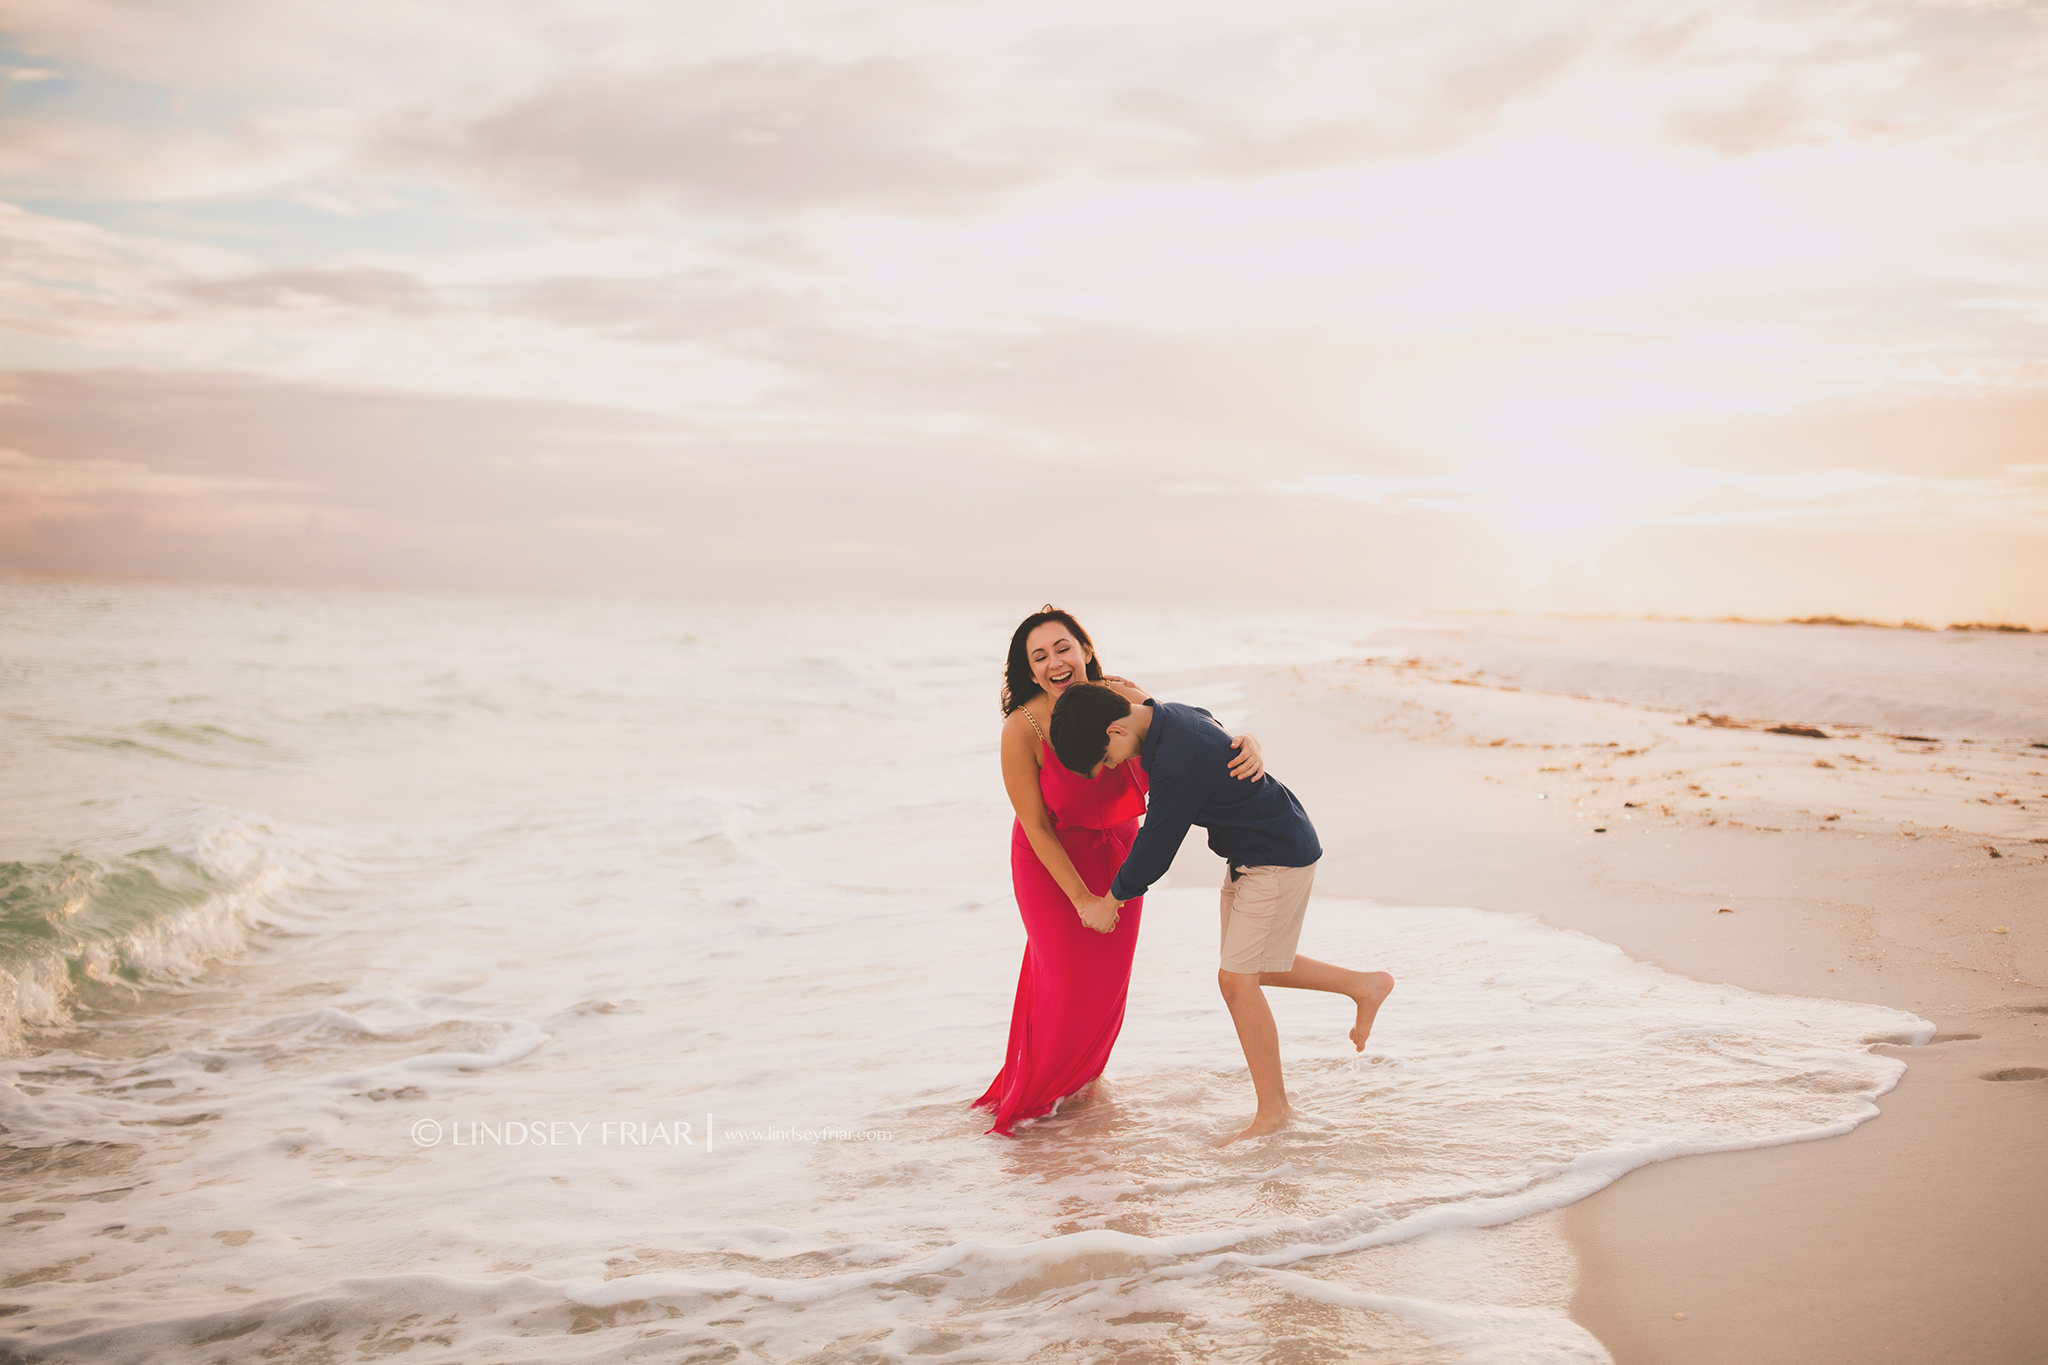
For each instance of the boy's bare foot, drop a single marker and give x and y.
(1261, 1125)
(1373, 990)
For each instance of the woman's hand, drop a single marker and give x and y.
(1130, 689)
(1099, 913)
(1250, 764)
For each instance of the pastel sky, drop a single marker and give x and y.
(1562, 305)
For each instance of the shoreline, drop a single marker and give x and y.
(1759, 860)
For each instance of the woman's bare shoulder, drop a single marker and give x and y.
(1024, 722)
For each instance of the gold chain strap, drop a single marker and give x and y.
(1034, 723)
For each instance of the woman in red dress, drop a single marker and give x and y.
(1071, 835)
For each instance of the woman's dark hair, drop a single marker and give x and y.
(1018, 684)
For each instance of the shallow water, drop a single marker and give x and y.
(477, 976)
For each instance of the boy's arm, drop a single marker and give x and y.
(1175, 802)
(1173, 807)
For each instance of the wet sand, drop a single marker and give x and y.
(1859, 866)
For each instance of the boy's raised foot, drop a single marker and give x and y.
(1373, 990)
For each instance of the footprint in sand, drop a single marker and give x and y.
(2018, 1073)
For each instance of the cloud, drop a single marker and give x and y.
(838, 365)
(73, 282)
(678, 307)
(385, 291)
(2013, 499)
(605, 526)
(1740, 82)
(73, 482)
(56, 155)
(295, 50)
(1887, 572)
(1602, 499)
(229, 476)
(222, 475)
(1389, 114)
(1929, 436)
(777, 286)
(771, 134)
(574, 112)
(354, 446)
(780, 133)
(1767, 116)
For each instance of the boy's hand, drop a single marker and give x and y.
(1098, 912)
(1250, 762)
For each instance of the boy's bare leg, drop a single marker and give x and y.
(1369, 990)
(1260, 1038)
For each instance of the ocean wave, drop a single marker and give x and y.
(188, 890)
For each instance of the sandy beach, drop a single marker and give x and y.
(1910, 872)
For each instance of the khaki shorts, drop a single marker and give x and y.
(1262, 912)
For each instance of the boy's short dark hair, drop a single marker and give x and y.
(1080, 724)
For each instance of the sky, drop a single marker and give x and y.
(1586, 306)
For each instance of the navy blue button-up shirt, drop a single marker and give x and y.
(1251, 824)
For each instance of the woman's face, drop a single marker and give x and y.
(1057, 659)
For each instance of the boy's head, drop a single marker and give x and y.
(1091, 725)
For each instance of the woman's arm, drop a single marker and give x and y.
(1250, 761)
(1132, 693)
(1248, 766)
(1020, 780)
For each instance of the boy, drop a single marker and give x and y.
(1258, 828)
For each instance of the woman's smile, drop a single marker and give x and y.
(1058, 660)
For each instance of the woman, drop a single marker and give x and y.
(1071, 836)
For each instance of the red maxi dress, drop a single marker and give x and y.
(1071, 990)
